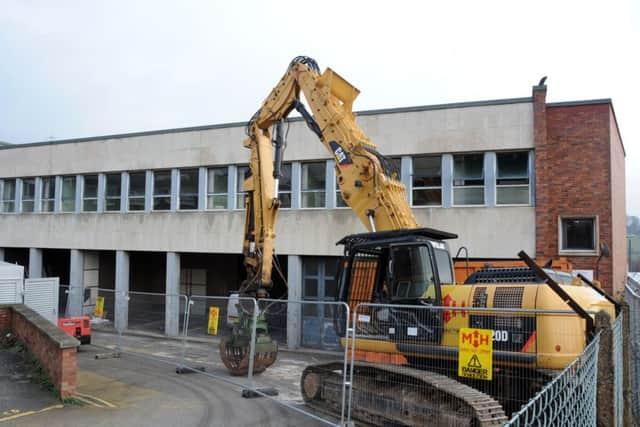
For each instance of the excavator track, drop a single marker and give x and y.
(400, 396)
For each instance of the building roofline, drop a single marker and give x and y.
(579, 103)
(293, 119)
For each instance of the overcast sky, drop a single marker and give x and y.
(85, 68)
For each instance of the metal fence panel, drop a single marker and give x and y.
(148, 313)
(632, 296)
(426, 338)
(569, 399)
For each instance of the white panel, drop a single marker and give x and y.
(10, 291)
(41, 295)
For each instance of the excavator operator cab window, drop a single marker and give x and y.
(412, 274)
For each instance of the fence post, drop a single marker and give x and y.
(606, 413)
(626, 352)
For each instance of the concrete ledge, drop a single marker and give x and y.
(54, 349)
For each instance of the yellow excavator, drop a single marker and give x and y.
(398, 263)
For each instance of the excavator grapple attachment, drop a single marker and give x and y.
(235, 353)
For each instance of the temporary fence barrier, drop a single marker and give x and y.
(157, 313)
(329, 337)
(517, 341)
(569, 399)
(618, 369)
(322, 356)
(632, 297)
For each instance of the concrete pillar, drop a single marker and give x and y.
(202, 188)
(102, 189)
(232, 182)
(124, 192)
(79, 193)
(446, 180)
(532, 178)
(76, 283)
(18, 200)
(295, 185)
(330, 184)
(122, 289)
(175, 189)
(37, 197)
(148, 191)
(35, 263)
(406, 176)
(57, 204)
(172, 306)
(294, 310)
(490, 172)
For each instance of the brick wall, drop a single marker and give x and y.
(5, 319)
(54, 349)
(573, 175)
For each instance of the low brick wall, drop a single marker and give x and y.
(54, 349)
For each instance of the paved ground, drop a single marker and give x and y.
(18, 393)
(137, 391)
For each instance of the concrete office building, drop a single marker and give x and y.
(162, 210)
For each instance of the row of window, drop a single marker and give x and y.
(426, 181)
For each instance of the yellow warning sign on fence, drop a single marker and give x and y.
(99, 312)
(214, 315)
(475, 353)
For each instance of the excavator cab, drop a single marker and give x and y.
(403, 268)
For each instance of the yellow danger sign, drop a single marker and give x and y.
(99, 311)
(214, 316)
(475, 353)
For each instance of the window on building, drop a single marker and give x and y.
(512, 178)
(113, 192)
(90, 193)
(8, 196)
(28, 194)
(48, 196)
(137, 187)
(427, 181)
(217, 187)
(162, 190)
(241, 175)
(68, 197)
(284, 188)
(468, 179)
(578, 234)
(189, 189)
(319, 284)
(313, 185)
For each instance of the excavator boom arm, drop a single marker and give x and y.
(367, 181)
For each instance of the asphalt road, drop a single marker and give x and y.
(135, 391)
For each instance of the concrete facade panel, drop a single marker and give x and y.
(488, 232)
(487, 127)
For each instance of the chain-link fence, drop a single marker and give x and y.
(618, 369)
(569, 399)
(632, 297)
(473, 365)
